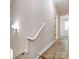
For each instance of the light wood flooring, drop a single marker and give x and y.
(59, 50)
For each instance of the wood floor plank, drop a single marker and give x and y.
(59, 50)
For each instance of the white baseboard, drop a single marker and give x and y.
(43, 50)
(23, 51)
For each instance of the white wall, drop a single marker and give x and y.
(30, 14)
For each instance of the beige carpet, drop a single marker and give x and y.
(59, 50)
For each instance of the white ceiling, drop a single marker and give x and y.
(62, 7)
